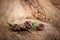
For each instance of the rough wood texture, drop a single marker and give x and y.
(14, 11)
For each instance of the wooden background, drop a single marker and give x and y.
(47, 11)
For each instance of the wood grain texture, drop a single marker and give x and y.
(46, 11)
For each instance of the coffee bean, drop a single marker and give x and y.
(40, 27)
(28, 24)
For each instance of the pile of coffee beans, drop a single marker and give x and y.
(25, 26)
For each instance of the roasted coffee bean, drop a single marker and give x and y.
(28, 24)
(15, 27)
(40, 27)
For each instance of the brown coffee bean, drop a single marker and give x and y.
(28, 24)
(40, 27)
(15, 27)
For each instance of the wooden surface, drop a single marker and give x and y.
(49, 33)
(14, 11)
